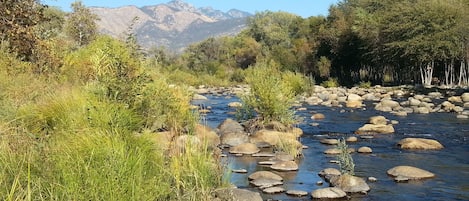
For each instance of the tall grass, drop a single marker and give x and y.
(78, 138)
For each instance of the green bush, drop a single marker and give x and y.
(331, 82)
(270, 96)
(167, 106)
(298, 82)
(365, 85)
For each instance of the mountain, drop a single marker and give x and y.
(175, 24)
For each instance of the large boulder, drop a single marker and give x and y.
(375, 129)
(235, 194)
(465, 97)
(328, 193)
(350, 184)
(230, 126)
(207, 135)
(378, 120)
(409, 172)
(419, 143)
(245, 148)
(232, 133)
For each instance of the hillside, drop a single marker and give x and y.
(174, 25)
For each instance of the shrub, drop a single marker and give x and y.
(167, 106)
(331, 82)
(270, 96)
(345, 159)
(298, 83)
(365, 85)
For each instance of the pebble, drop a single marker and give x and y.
(372, 179)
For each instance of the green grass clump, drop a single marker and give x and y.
(365, 85)
(347, 166)
(270, 96)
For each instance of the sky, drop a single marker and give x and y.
(304, 8)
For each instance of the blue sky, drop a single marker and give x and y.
(304, 8)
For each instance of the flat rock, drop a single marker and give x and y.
(265, 183)
(409, 172)
(329, 141)
(265, 174)
(235, 194)
(263, 154)
(297, 193)
(328, 193)
(419, 143)
(372, 128)
(245, 148)
(332, 151)
(273, 190)
(350, 184)
(239, 171)
(285, 166)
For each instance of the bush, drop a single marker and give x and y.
(365, 85)
(270, 96)
(298, 83)
(331, 82)
(168, 107)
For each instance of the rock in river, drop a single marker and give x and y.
(409, 172)
(245, 148)
(350, 184)
(235, 194)
(328, 193)
(419, 143)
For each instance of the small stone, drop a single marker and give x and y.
(365, 150)
(334, 161)
(329, 141)
(351, 139)
(317, 116)
(263, 154)
(239, 171)
(332, 151)
(266, 162)
(372, 179)
(319, 183)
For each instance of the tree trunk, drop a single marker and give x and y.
(426, 73)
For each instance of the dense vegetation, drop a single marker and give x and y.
(81, 114)
(383, 42)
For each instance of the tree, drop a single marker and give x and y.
(17, 22)
(81, 24)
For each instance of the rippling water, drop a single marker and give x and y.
(451, 165)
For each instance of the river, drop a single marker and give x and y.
(451, 164)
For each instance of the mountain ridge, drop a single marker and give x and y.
(173, 25)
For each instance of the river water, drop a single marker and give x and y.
(451, 164)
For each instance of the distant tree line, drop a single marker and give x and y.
(378, 41)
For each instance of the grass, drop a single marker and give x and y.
(67, 138)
